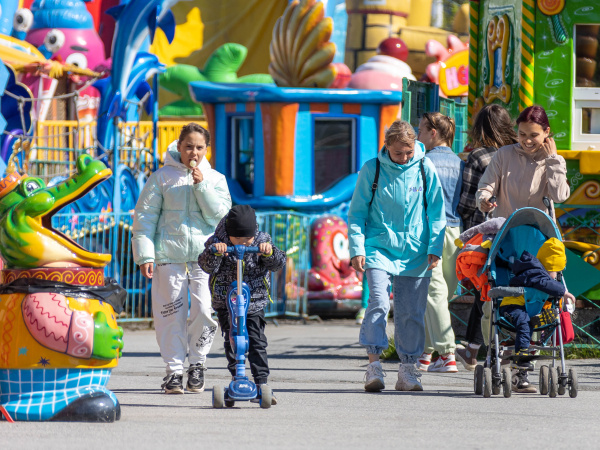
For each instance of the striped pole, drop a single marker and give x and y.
(527, 33)
(473, 43)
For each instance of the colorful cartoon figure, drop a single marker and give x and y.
(451, 71)
(59, 338)
(70, 23)
(221, 67)
(385, 70)
(331, 275)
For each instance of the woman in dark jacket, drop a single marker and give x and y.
(492, 128)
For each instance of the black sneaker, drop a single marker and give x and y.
(520, 383)
(173, 384)
(273, 398)
(195, 379)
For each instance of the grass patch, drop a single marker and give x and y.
(578, 349)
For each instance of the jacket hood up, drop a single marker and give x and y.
(173, 158)
(384, 158)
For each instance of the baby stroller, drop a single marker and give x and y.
(525, 230)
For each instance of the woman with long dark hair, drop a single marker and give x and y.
(492, 128)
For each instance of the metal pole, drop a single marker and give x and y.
(155, 122)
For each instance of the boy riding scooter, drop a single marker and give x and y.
(239, 227)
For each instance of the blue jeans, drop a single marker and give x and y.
(520, 319)
(410, 301)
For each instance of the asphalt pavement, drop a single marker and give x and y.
(317, 372)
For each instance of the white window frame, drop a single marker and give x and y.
(583, 98)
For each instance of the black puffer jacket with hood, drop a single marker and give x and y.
(223, 269)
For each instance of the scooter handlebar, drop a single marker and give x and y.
(232, 249)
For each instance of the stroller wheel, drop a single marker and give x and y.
(553, 382)
(487, 382)
(496, 381)
(573, 385)
(478, 379)
(562, 385)
(218, 397)
(544, 374)
(506, 382)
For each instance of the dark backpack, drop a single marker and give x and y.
(374, 185)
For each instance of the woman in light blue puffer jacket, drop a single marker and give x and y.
(178, 209)
(397, 230)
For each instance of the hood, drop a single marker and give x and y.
(173, 158)
(384, 157)
(552, 255)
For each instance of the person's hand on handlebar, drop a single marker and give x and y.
(488, 204)
(220, 248)
(358, 263)
(265, 248)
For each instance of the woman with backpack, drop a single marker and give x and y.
(396, 230)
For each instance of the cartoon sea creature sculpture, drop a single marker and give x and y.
(451, 71)
(59, 338)
(331, 275)
(301, 52)
(81, 44)
(222, 67)
(136, 21)
(64, 30)
(385, 70)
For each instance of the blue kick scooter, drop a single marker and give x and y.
(238, 300)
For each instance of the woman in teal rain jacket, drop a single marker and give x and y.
(397, 231)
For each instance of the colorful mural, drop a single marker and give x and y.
(546, 52)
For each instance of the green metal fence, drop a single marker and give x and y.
(580, 225)
(111, 233)
(419, 97)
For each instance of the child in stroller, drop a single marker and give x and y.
(526, 297)
(538, 277)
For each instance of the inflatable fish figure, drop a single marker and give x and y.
(331, 275)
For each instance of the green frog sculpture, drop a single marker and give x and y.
(59, 338)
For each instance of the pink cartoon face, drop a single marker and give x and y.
(83, 48)
(331, 275)
(329, 248)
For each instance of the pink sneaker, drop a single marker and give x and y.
(424, 361)
(445, 363)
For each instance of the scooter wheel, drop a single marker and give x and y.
(229, 403)
(266, 396)
(218, 398)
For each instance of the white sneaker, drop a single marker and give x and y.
(444, 364)
(424, 361)
(408, 378)
(374, 377)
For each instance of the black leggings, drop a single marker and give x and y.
(257, 343)
(474, 335)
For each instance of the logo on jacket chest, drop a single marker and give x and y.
(415, 189)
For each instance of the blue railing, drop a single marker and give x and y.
(111, 233)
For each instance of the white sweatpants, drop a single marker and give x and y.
(175, 334)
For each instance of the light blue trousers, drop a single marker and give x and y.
(410, 302)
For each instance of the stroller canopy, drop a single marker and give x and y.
(525, 230)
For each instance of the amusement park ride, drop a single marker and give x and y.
(291, 121)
